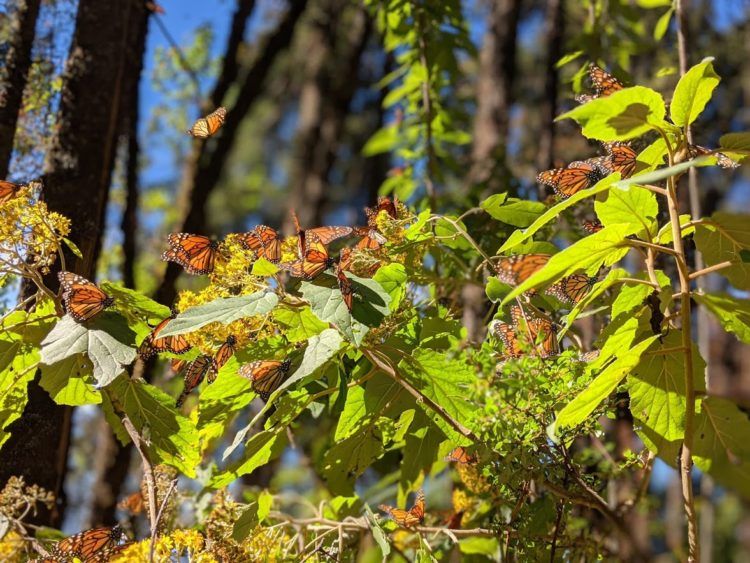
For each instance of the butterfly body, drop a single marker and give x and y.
(195, 253)
(152, 344)
(82, 299)
(207, 126)
(266, 375)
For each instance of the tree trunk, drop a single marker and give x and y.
(77, 179)
(553, 30)
(14, 74)
(331, 58)
(203, 168)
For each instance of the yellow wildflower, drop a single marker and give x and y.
(12, 547)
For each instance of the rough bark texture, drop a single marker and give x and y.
(331, 57)
(13, 75)
(77, 178)
(203, 169)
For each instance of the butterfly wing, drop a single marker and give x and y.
(346, 288)
(270, 243)
(82, 299)
(592, 226)
(372, 240)
(620, 158)
(507, 334)
(516, 269)
(604, 84)
(225, 351)
(417, 511)
(194, 375)
(195, 253)
(207, 126)
(265, 375)
(327, 235)
(573, 288)
(460, 455)
(8, 190)
(88, 544)
(575, 177)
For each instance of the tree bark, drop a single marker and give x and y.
(77, 179)
(14, 74)
(331, 58)
(203, 168)
(553, 30)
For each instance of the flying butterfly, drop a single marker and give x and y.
(89, 546)
(316, 260)
(264, 241)
(266, 375)
(152, 344)
(82, 299)
(326, 235)
(407, 518)
(386, 204)
(207, 126)
(194, 375)
(8, 190)
(460, 455)
(225, 351)
(516, 269)
(604, 84)
(696, 150)
(195, 253)
(575, 177)
(573, 288)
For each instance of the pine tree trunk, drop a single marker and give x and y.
(77, 179)
(553, 30)
(14, 74)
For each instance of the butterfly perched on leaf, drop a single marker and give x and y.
(573, 288)
(8, 190)
(345, 286)
(207, 126)
(603, 83)
(264, 241)
(575, 177)
(316, 260)
(516, 269)
(152, 344)
(324, 235)
(592, 226)
(407, 518)
(90, 546)
(460, 455)
(225, 351)
(526, 334)
(195, 253)
(83, 300)
(621, 157)
(194, 374)
(721, 159)
(266, 375)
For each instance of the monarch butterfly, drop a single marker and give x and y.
(346, 261)
(460, 455)
(592, 226)
(407, 518)
(194, 374)
(207, 126)
(133, 503)
(371, 238)
(514, 270)
(82, 299)
(222, 356)
(195, 253)
(89, 546)
(265, 242)
(266, 375)
(177, 365)
(384, 204)
(325, 235)
(315, 262)
(516, 345)
(345, 286)
(572, 289)
(152, 344)
(620, 158)
(8, 190)
(695, 151)
(603, 82)
(575, 177)
(589, 356)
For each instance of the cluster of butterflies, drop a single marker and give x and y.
(97, 545)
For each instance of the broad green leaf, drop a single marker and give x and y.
(657, 392)
(721, 445)
(624, 115)
(420, 452)
(449, 233)
(347, 459)
(653, 3)
(246, 523)
(224, 311)
(364, 403)
(588, 254)
(320, 349)
(629, 298)
(664, 236)
(481, 546)
(69, 382)
(259, 450)
(171, 438)
(722, 238)
(132, 301)
(265, 502)
(264, 268)
(378, 534)
(106, 340)
(339, 507)
(732, 313)
(634, 206)
(584, 404)
(514, 211)
(393, 279)
(693, 92)
(219, 402)
(496, 289)
(654, 155)
(599, 288)
(662, 25)
(300, 322)
(736, 143)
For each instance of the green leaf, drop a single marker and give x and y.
(629, 298)
(635, 206)
(378, 534)
(130, 300)
(693, 92)
(14, 381)
(170, 437)
(419, 453)
(73, 248)
(259, 450)
(653, 3)
(393, 279)
(246, 523)
(588, 254)
(653, 155)
(219, 402)
(721, 446)
(585, 403)
(224, 311)
(626, 114)
(722, 238)
(735, 142)
(662, 25)
(480, 546)
(732, 313)
(568, 58)
(300, 322)
(496, 289)
(106, 340)
(264, 268)
(69, 382)
(657, 392)
(265, 502)
(320, 349)
(384, 140)
(664, 236)
(364, 403)
(347, 459)
(514, 211)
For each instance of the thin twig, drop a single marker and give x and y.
(180, 56)
(710, 269)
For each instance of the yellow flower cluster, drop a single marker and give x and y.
(13, 548)
(30, 234)
(232, 267)
(471, 477)
(169, 548)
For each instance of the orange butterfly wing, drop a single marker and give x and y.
(514, 270)
(265, 375)
(592, 226)
(195, 253)
(82, 299)
(8, 190)
(327, 235)
(575, 177)
(207, 126)
(194, 375)
(604, 84)
(265, 242)
(407, 518)
(620, 158)
(460, 455)
(573, 288)
(89, 544)
(346, 288)
(222, 356)
(371, 240)
(152, 344)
